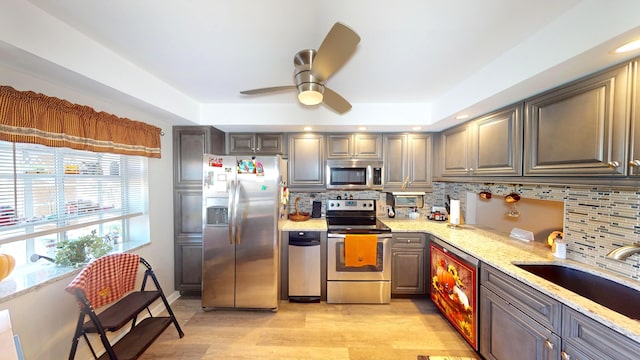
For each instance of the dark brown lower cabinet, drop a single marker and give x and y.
(409, 264)
(519, 322)
(586, 339)
(190, 143)
(189, 265)
(507, 333)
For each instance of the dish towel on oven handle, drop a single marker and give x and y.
(360, 250)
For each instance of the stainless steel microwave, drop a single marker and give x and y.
(354, 174)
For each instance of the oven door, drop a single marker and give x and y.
(336, 269)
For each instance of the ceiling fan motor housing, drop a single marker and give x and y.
(310, 87)
(314, 67)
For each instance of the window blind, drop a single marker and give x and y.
(46, 190)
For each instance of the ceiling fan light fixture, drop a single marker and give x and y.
(310, 93)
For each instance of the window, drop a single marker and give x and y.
(48, 195)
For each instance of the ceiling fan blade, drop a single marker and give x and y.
(335, 101)
(336, 48)
(268, 90)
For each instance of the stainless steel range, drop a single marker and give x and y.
(347, 221)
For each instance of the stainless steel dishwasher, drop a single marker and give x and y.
(304, 266)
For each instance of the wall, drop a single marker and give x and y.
(45, 318)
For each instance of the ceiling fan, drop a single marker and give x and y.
(313, 68)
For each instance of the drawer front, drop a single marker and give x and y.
(409, 240)
(538, 306)
(506, 333)
(593, 338)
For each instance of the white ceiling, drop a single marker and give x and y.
(420, 62)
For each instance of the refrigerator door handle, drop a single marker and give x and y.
(231, 220)
(236, 199)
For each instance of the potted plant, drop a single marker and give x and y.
(80, 251)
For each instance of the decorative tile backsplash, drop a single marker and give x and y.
(596, 219)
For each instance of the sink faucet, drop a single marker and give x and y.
(623, 252)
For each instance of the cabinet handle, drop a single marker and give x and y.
(634, 163)
(565, 356)
(613, 164)
(548, 344)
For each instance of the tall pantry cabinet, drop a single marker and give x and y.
(190, 143)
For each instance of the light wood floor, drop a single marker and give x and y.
(403, 329)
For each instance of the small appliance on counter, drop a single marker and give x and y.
(405, 199)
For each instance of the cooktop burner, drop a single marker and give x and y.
(377, 228)
(354, 217)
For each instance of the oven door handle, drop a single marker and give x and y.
(380, 236)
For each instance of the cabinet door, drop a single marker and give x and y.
(306, 161)
(634, 145)
(189, 144)
(241, 143)
(455, 151)
(188, 214)
(260, 143)
(407, 271)
(367, 146)
(356, 146)
(339, 146)
(270, 143)
(506, 333)
(498, 143)
(420, 164)
(409, 264)
(583, 335)
(395, 160)
(579, 129)
(188, 270)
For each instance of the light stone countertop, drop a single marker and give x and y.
(319, 224)
(501, 251)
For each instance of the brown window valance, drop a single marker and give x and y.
(29, 117)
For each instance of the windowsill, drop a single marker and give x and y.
(43, 273)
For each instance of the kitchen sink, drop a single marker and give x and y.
(608, 293)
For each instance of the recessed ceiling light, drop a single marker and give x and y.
(362, 128)
(416, 128)
(630, 46)
(307, 128)
(463, 116)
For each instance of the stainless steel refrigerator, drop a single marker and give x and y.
(242, 204)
